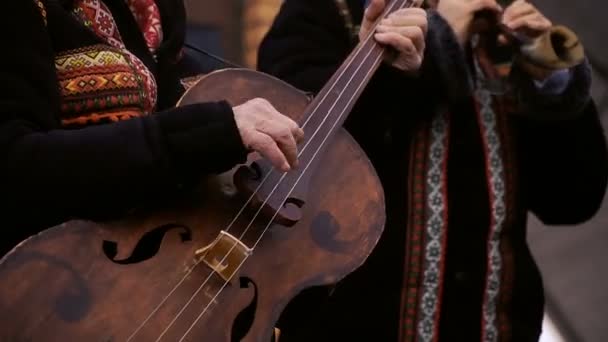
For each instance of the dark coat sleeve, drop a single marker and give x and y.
(565, 162)
(305, 45)
(51, 173)
(561, 143)
(562, 147)
(541, 105)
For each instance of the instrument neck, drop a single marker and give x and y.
(332, 105)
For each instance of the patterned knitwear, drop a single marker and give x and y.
(147, 15)
(106, 82)
(69, 150)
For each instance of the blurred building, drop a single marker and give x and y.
(238, 24)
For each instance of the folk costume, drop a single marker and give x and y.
(87, 124)
(462, 163)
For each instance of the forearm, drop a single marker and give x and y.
(116, 166)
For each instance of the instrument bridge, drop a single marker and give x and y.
(224, 255)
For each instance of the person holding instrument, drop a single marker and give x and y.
(466, 147)
(77, 136)
(89, 132)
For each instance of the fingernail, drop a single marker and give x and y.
(286, 167)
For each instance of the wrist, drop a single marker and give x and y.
(202, 138)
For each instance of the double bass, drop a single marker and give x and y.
(221, 263)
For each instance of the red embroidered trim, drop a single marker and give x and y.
(415, 237)
(147, 16)
(504, 305)
(427, 233)
(97, 118)
(491, 111)
(96, 15)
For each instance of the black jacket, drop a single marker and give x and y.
(561, 166)
(49, 174)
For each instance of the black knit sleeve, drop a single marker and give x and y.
(538, 105)
(53, 174)
(306, 44)
(564, 166)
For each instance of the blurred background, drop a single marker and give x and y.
(571, 258)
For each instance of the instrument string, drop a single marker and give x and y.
(267, 226)
(377, 60)
(253, 220)
(312, 113)
(236, 217)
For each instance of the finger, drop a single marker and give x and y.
(371, 14)
(536, 26)
(268, 148)
(287, 145)
(514, 12)
(294, 128)
(414, 33)
(289, 148)
(534, 22)
(407, 12)
(284, 138)
(412, 19)
(396, 41)
(478, 5)
(298, 134)
(274, 115)
(517, 5)
(519, 2)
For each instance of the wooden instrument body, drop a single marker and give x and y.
(64, 284)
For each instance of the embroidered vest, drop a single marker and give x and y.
(105, 82)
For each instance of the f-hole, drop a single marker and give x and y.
(244, 320)
(148, 246)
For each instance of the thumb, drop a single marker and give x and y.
(478, 5)
(372, 12)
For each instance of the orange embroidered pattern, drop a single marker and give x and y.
(96, 15)
(98, 85)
